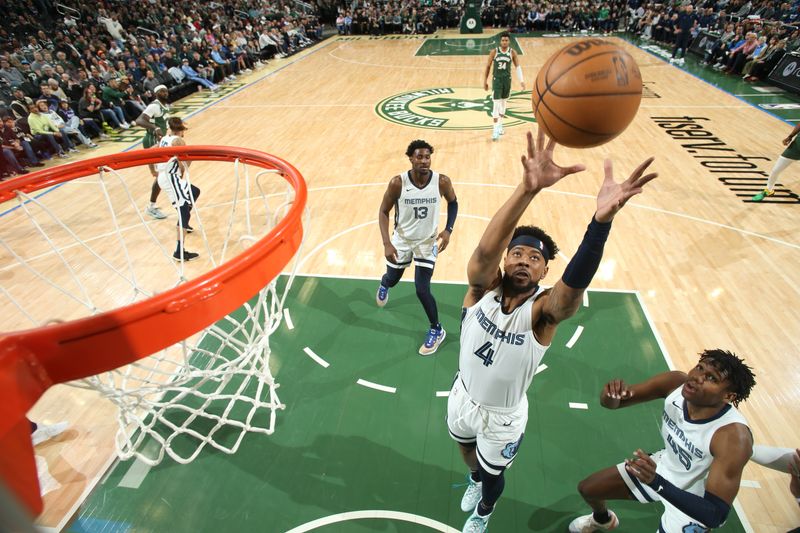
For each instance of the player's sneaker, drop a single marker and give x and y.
(44, 433)
(155, 212)
(187, 256)
(432, 341)
(587, 524)
(188, 229)
(472, 495)
(763, 194)
(382, 296)
(502, 129)
(476, 523)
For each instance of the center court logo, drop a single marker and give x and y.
(453, 108)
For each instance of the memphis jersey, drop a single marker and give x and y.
(499, 353)
(171, 178)
(502, 64)
(687, 455)
(416, 213)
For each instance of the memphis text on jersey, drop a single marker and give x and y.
(687, 447)
(491, 328)
(417, 201)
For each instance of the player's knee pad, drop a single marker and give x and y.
(391, 277)
(493, 486)
(503, 104)
(422, 280)
(496, 108)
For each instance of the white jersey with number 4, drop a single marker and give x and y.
(416, 214)
(499, 352)
(687, 453)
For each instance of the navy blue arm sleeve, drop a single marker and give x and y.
(452, 211)
(710, 509)
(584, 263)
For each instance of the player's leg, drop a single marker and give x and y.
(394, 271)
(195, 194)
(461, 423)
(181, 254)
(152, 208)
(506, 93)
(422, 281)
(497, 96)
(780, 165)
(612, 483)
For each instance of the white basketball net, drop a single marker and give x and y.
(88, 247)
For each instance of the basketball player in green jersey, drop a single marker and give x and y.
(154, 120)
(500, 61)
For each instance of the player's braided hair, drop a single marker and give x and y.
(540, 234)
(416, 145)
(739, 375)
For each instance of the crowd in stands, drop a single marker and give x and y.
(78, 71)
(753, 37)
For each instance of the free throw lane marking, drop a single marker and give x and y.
(376, 386)
(577, 405)
(320, 361)
(360, 515)
(575, 337)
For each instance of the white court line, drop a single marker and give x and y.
(135, 475)
(320, 361)
(540, 368)
(586, 298)
(442, 393)
(358, 515)
(750, 484)
(288, 318)
(575, 337)
(376, 386)
(257, 106)
(700, 107)
(578, 405)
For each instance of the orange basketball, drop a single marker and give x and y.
(587, 93)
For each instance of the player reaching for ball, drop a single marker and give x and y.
(509, 320)
(501, 58)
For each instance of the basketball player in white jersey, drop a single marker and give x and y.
(154, 120)
(414, 194)
(500, 61)
(707, 442)
(509, 321)
(172, 179)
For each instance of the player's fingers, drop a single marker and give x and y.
(540, 140)
(615, 388)
(551, 144)
(644, 180)
(574, 169)
(641, 168)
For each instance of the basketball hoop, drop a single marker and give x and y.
(195, 339)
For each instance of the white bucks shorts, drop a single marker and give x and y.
(497, 432)
(422, 252)
(673, 520)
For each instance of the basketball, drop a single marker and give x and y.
(587, 93)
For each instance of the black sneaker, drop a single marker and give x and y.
(187, 256)
(189, 229)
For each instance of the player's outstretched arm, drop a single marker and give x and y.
(731, 447)
(449, 194)
(539, 172)
(390, 198)
(617, 394)
(567, 293)
(520, 77)
(488, 69)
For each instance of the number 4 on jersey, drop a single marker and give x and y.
(486, 353)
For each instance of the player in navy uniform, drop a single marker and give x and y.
(509, 321)
(414, 195)
(707, 442)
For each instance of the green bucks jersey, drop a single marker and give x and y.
(502, 64)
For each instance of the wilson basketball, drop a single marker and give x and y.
(587, 93)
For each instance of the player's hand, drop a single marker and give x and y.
(390, 253)
(444, 240)
(641, 466)
(486, 86)
(794, 470)
(157, 133)
(614, 392)
(613, 196)
(787, 141)
(539, 170)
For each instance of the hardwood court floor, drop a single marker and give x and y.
(713, 270)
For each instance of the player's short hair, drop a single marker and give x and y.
(539, 233)
(503, 34)
(417, 145)
(176, 124)
(732, 368)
